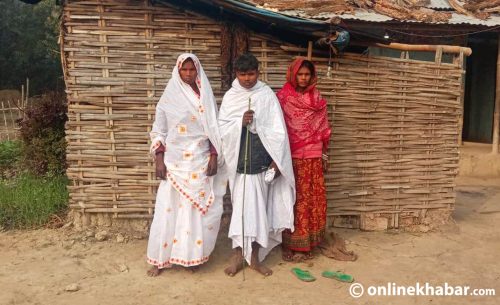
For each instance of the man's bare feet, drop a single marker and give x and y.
(260, 268)
(256, 265)
(236, 263)
(154, 271)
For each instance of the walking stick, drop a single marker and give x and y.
(244, 195)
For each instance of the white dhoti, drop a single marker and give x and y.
(180, 234)
(258, 222)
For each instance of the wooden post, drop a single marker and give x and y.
(461, 63)
(496, 115)
(5, 121)
(27, 89)
(22, 95)
(310, 50)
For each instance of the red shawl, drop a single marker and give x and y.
(305, 113)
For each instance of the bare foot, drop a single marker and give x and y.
(193, 269)
(308, 255)
(260, 268)
(256, 265)
(236, 264)
(286, 254)
(154, 271)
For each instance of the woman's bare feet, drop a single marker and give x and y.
(154, 271)
(308, 255)
(236, 263)
(286, 254)
(193, 269)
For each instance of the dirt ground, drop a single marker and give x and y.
(36, 267)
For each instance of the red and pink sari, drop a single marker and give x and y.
(306, 119)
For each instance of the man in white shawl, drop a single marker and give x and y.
(262, 203)
(187, 147)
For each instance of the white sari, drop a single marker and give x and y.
(268, 208)
(189, 203)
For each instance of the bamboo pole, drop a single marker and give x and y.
(496, 115)
(426, 48)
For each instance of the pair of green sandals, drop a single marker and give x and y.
(306, 276)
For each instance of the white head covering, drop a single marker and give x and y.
(178, 90)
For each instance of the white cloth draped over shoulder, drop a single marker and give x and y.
(264, 221)
(188, 203)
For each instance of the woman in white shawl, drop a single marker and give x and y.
(268, 205)
(187, 147)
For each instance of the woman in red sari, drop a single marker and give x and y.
(306, 119)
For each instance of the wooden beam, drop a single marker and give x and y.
(496, 115)
(309, 50)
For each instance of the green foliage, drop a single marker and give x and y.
(28, 40)
(27, 201)
(43, 136)
(10, 153)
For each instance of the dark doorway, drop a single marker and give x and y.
(480, 80)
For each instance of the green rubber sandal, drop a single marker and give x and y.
(303, 275)
(339, 276)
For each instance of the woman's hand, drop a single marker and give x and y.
(212, 165)
(161, 169)
(324, 159)
(325, 166)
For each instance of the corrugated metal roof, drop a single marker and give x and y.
(370, 16)
(456, 18)
(440, 5)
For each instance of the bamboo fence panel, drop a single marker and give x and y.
(10, 112)
(118, 56)
(394, 147)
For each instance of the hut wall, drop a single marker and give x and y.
(394, 147)
(117, 57)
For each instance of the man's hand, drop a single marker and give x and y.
(247, 118)
(161, 169)
(212, 166)
(276, 169)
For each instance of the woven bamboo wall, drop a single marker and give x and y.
(118, 56)
(395, 140)
(394, 148)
